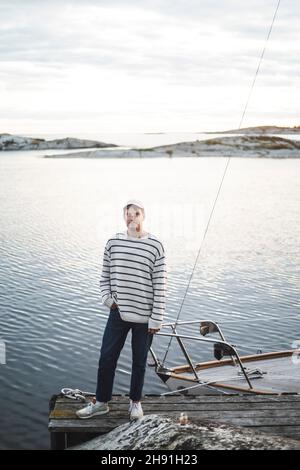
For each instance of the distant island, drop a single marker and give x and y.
(260, 130)
(251, 142)
(17, 142)
(234, 146)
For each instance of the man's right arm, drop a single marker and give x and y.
(105, 287)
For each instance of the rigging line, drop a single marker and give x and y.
(259, 64)
(220, 186)
(196, 261)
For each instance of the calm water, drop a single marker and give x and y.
(56, 216)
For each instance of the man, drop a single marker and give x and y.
(133, 286)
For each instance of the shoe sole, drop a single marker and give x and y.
(98, 413)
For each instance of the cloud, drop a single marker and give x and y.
(60, 55)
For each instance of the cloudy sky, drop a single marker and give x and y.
(146, 65)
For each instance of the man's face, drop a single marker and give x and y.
(134, 214)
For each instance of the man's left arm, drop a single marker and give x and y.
(159, 281)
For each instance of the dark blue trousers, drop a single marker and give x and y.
(114, 337)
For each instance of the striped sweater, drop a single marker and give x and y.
(134, 276)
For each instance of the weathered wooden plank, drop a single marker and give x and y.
(205, 414)
(271, 419)
(226, 398)
(278, 415)
(93, 425)
(288, 431)
(204, 399)
(149, 406)
(246, 421)
(199, 399)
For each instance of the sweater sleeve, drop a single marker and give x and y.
(105, 287)
(159, 281)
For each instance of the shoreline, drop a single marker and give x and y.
(237, 146)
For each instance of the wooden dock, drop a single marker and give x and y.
(276, 415)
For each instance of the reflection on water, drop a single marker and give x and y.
(56, 217)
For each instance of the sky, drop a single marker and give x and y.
(146, 65)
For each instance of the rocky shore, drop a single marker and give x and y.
(16, 142)
(261, 130)
(164, 433)
(235, 146)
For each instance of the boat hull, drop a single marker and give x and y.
(270, 373)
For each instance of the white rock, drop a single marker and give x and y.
(17, 142)
(160, 432)
(261, 130)
(234, 146)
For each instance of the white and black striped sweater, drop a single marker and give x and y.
(134, 276)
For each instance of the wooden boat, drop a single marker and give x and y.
(229, 373)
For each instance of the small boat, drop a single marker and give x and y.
(228, 373)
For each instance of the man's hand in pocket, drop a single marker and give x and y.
(152, 331)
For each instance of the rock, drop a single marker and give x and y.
(261, 130)
(234, 146)
(164, 433)
(237, 146)
(16, 142)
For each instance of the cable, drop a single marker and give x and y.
(196, 261)
(259, 64)
(224, 173)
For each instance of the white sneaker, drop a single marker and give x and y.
(130, 406)
(92, 409)
(135, 410)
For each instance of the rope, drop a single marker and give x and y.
(75, 394)
(259, 64)
(196, 261)
(224, 173)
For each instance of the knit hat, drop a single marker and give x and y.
(136, 202)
